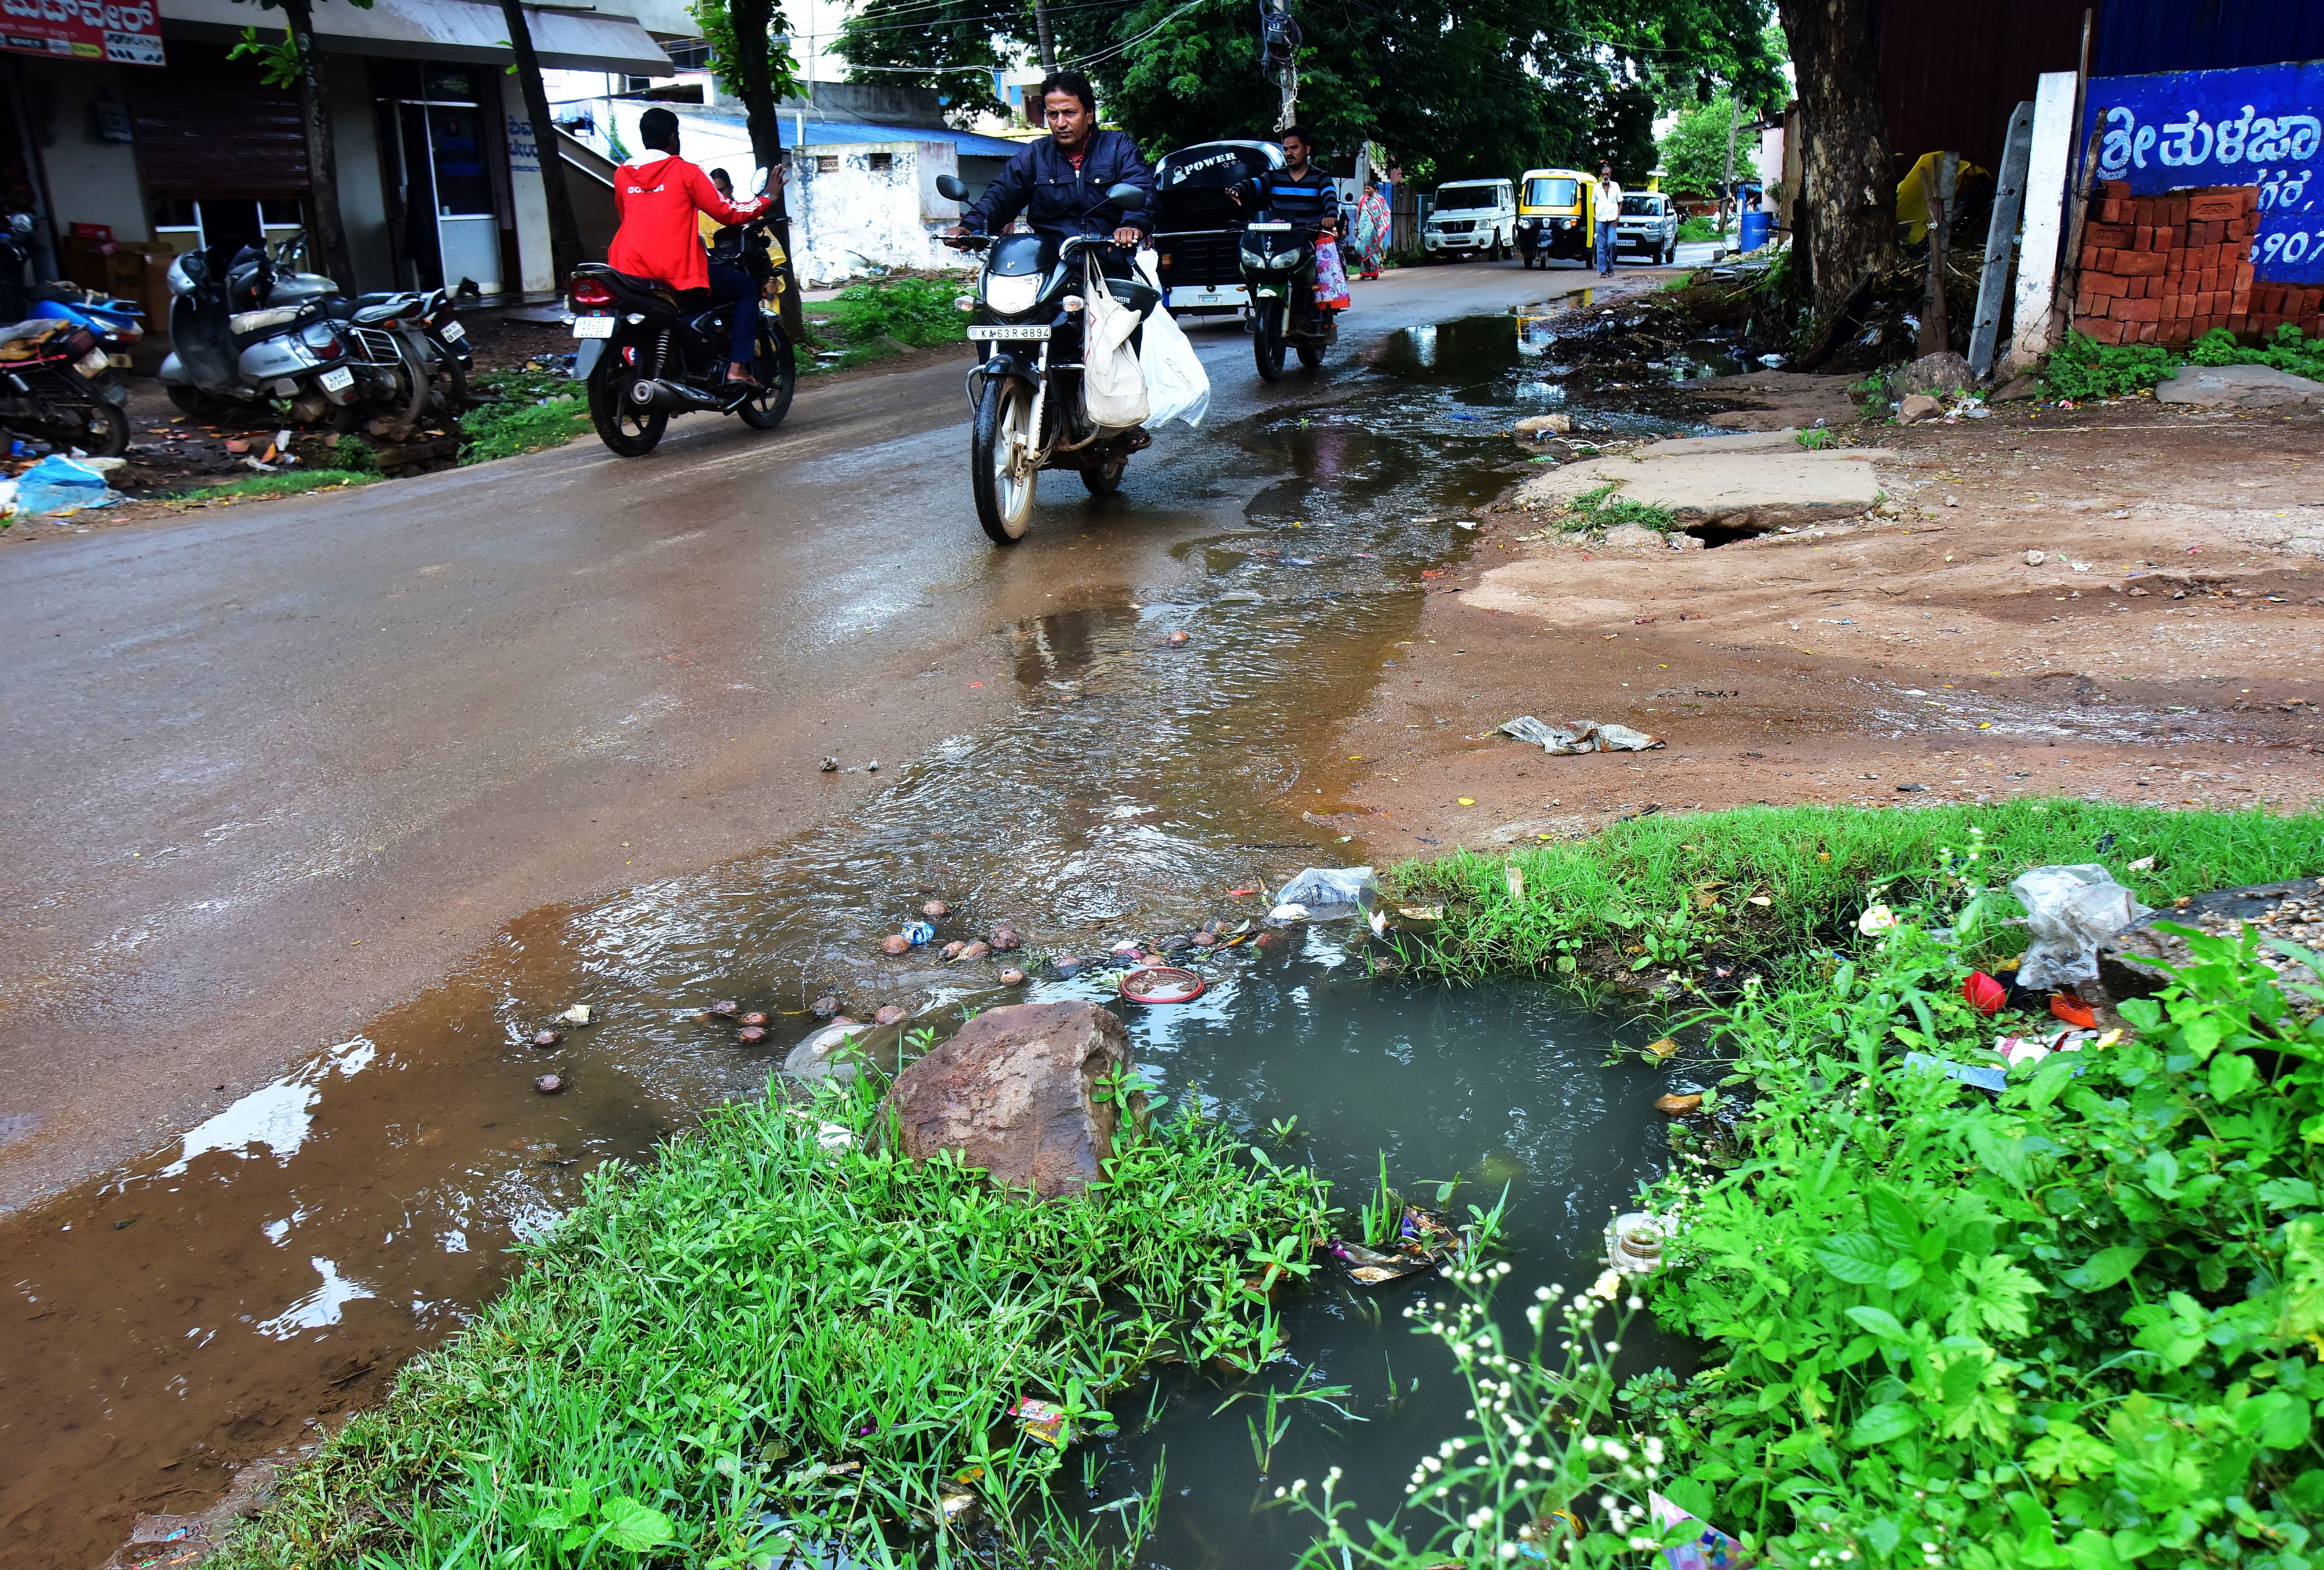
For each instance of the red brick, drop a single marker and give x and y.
(2242, 230)
(2147, 332)
(2208, 279)
(2142, 239)
(2145, 310)
(2172, 210)
(2110, 259)
(2312, 325)
(2206, 205)
(2115, 234)
(2212, 302)
(2170, 236)
(2115, 190)
(2238, 323)
(2114, 210)
(2139, 263)
(2105, 285)
(2141, 209)
(2105, 332)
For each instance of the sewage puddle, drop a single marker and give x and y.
(216, 1301)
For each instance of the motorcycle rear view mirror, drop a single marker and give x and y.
(952, 188)
(1128, 197)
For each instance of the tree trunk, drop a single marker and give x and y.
(1726, 181)
(752, 20)
(1048, 47)
(327, 237)
(563, 229)
(1846, 170)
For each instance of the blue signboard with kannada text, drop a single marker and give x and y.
(2257, 126)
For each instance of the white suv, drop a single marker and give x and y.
(1649, 225)
(1472, 217)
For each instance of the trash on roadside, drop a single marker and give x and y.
(1326, 894)
(1581, 736)
(1161, 984)
(1421, 913)
(1983, 993)
(1661, 1051)
(57, 485)
(1634, 1244)
(1983, 1077)
(1677, 1106)
(1370, 1268)
(833, 1137)
(1876, 918)
(916, 933)
(1708, 1549)
(2066, 1006)
(829, 766)
(2034, 1046)
(1534, 1542)
(2069, 911)
(578, 1014)
(976, 950)
(1044, 1422)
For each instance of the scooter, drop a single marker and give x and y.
(645, 354)
(57, 384)
(1026, 388)
(1279, 269)
(118, 324)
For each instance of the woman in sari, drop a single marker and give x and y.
(1372, 224)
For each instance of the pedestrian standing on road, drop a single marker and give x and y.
(1372, 230)
(1608, 209)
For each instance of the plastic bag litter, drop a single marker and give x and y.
(1581, 736)
(1177, 385)
(1708, 1549)
(56, 485)
(2069, 911)
(1044, 1422)
(1327, 894)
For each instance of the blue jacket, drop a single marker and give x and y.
(1059, 200)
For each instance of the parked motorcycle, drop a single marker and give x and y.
(646, 355)
(1026, 388)
(56, 385)
(1279, 269)
(246, 334)
(118, 324)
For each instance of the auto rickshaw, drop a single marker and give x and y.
(1555, 218)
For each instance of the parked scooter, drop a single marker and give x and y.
(1027, 387)
(118, 324)
(57, 385)
(1278, 268)
(646, 355)
(245, 335)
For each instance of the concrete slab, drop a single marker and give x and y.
(1741, 441)
(1719, 483)
(2240, 387)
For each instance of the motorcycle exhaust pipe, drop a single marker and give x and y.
(670, 397)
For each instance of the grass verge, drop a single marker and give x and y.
(758, 1340)
(2082, 367)
(536, 409)
(289, 483)
(870, 320)
(1596, 511)
(2073, 1326)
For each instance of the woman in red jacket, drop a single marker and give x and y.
(657, 198)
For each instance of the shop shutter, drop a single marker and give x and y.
(203, 131)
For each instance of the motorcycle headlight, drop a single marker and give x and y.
(1255, 260)
(1007, 294)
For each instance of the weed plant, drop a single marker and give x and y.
(1596, 511)
(2083, 367)
(777, 1334)
(536, 409)
(288, 483)
(918, 311)
(2071, 1326)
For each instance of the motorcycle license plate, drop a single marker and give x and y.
(1268, 229)
(94, 363)
(455, 332)
(1012, 332)
(592, 327)
(337, 381)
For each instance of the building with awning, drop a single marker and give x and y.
(164, 140)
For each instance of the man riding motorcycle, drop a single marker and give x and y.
(657, 198)
(1298, 191)
(1060, 184)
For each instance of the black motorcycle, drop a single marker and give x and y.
(647, 354)
(1026, 388)
(1279, 269)
(57, 384)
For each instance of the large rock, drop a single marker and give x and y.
(2240, 387)
(1944, 372)
(1014, 1093)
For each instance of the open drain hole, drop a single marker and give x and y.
(1718, 531)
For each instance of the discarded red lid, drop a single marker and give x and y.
(1162, 983)
(2073, 1011)
(1985, 994)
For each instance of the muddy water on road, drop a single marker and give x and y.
(216, 1301)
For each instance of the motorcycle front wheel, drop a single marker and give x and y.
(1105, 479)
(777, 369)
(1267, 346)
(1004, 423)
(626, 429)
(105, 431)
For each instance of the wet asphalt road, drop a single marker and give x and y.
(274, 768)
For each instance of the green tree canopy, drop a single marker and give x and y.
(1694, 152)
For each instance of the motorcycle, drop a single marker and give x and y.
(1279, 269)
(118, 324)
(1026, 388)
(57, 384)
(646, 355)
(249, 334)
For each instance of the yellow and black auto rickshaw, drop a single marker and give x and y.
(1555, 221)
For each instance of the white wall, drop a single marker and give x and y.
(849, 219)
(363, 194)
(90, 181)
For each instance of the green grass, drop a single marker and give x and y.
(536, 410)
(288, 482)
(1816, 438)
(753, 1328)
(1674, 888)
(1698, 229)
(1597, 511)
(918, 311)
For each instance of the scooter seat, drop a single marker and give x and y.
(243, 323)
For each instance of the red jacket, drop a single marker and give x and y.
(657, 197)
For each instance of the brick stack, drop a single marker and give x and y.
(2168, 269)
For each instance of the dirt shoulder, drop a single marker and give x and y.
(2163, 648)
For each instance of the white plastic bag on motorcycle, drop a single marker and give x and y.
(1177, 385)
(1113, 387)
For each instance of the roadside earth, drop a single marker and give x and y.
(2117, 602)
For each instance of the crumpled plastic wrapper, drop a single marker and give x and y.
(1581, 736)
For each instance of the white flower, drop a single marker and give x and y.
(1543, 1294)
(1509, 1550)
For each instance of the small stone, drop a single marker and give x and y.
(549, 1083)
(872, 767)
(754, 1017)
(751, 1034)
(1177, 640)
(824, 1006)
(829, 766)
(1012, 977)
(578, 1014)
(935, 909)
(1677, 1106)
(952, 950)
(1005, 937)
(895, 943)
(1908, 789)
(2035, 558)
(1206, 939)
(1920, 406)
(977, 950)
(546, 1037)
(726, 1009)
(889, 1014)
(1943, 372)
(1533, 426)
